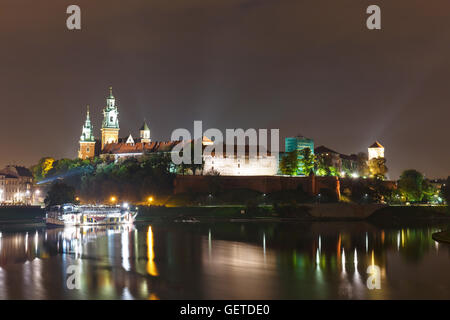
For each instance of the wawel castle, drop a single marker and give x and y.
(117, 148)
(262, 164)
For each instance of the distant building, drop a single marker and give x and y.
(135, 149)
(376, 150)
(297, 143)
(342, 162)
(16, 185)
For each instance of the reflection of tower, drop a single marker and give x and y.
(376, 150)
(145, 133)
(87, 140)
(110, 125)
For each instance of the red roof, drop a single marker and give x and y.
(156, 146)
(376, 144)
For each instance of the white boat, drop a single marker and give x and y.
(89, 215)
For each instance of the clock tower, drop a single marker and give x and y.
(110, 125)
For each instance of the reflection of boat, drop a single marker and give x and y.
(73, 215)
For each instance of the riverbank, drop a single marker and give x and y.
(443, 236)
(21, 215)
(375, 213)
(308, 212)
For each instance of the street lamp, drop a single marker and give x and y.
(113, 199)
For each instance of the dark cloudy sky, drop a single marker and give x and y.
(302, 66)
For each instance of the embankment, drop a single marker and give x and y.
(21, 215)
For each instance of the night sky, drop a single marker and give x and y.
(305, 67)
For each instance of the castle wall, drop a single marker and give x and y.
(242, 166)
(265, 184)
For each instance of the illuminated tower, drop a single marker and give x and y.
(145, 133)
(110, 125)
(87, 140)
(376, 150)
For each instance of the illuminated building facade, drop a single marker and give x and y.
(116, 148)
(110, 125)
(298, 143)
(235, 164)
(376, 150)
(16, 185)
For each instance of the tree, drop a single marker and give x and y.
(41, 169)
(289, 163)
(377, 168)
(429, 191)
(445, 191)
(60, 193)
(307, 161)
(410, 185)
(323, 165)
(363, 168)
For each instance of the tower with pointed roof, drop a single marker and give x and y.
(110, 125)
(87, 140)
(376, 150)
(145, 133)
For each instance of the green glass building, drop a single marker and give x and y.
(297, 143)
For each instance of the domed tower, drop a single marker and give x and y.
(145, 133)
(110, 125)
(87, 140)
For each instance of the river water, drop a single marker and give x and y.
(226, 260)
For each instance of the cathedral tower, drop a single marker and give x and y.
(110, 125)
(145, 133)
(87, 140)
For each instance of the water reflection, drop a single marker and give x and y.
(151, 266)
(225, 261)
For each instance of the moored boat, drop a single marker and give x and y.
(89, 215)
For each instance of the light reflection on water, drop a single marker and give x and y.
(225, 261)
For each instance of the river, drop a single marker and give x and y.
(224, 260)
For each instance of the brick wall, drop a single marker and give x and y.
(264, 184)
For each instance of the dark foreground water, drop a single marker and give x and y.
(326, 260)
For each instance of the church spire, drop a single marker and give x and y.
(145, 133)
(110, 124)
(87, 139)
(87, 131)
(110, 112)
